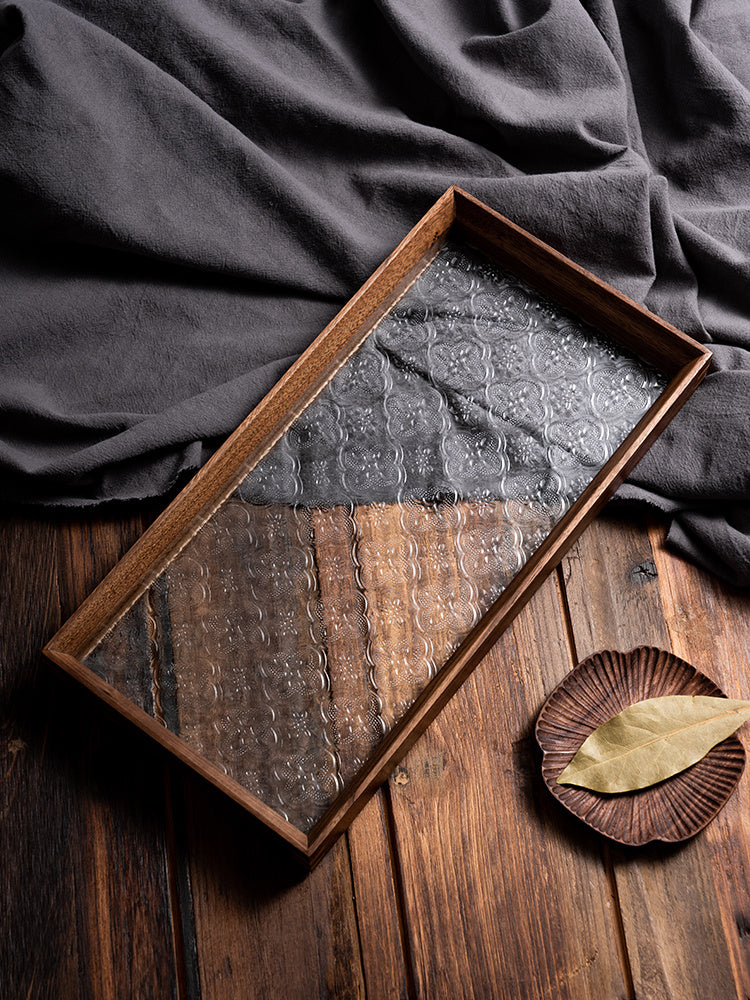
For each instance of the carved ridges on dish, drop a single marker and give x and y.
(604, 685)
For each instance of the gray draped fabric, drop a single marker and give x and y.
(191, 190)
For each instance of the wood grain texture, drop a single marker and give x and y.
(476, 885)
(673, 919)
(37, 879)
(385, 960)
(84, 875)
(710, 621)
(482, 845)
(264, 928)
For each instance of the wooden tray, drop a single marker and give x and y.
(297, 616)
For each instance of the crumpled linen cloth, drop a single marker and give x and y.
(191, 190)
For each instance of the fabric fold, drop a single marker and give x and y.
(191, 190)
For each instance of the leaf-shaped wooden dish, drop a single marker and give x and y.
(600, 687)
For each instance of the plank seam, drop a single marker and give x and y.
(622, 946)
(180, 896)
(362, 969)
(566, 615)
(400, 894)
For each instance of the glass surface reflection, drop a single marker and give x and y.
(302, 621)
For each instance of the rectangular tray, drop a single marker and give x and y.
(302, 610)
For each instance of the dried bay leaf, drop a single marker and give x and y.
(652, 740)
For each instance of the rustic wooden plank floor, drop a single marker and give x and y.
(125, 875)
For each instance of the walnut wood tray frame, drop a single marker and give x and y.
(678, 357)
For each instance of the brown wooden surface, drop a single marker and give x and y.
(126, 875)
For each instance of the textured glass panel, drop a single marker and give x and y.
(303, 620)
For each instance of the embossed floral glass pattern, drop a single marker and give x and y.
(307, 615)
